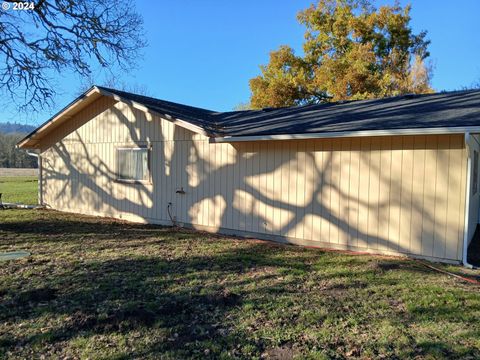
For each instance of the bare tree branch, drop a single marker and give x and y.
(60, 35)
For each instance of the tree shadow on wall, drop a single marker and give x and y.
(227, 193)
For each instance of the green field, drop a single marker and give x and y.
(19, 189)
(102, 289)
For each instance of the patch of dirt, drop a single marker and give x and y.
(261, 271)
(79, 321)
(398, 305)
(117, 320)
(135, 317)
(284, 352)
(382, 266)
(341, 290)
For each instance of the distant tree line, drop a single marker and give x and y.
(10, 156)
(14, 127)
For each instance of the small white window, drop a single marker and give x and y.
(133, 164)
(475, 173)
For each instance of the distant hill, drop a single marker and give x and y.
(10, 128)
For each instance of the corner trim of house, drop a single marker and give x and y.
(467, 201)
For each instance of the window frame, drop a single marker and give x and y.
(135, 147)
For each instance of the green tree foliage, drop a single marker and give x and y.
(11, 157)
(351, 51)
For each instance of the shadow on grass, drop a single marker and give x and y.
(123, 295)
(74, 227)
(192, 300)
(474, 249)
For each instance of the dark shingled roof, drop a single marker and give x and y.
(197, 116)
(448, 109)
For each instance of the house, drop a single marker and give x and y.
(395, 175)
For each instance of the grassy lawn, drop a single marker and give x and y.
(19, 189)
(97, 288)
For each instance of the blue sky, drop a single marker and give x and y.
(203, 53)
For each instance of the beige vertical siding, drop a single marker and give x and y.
(400, 194)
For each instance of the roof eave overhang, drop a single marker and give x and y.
(32, 140)
(344, 134)
(183, 123)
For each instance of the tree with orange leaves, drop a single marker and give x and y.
(351, 51)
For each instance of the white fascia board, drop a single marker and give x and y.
(341, 134)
